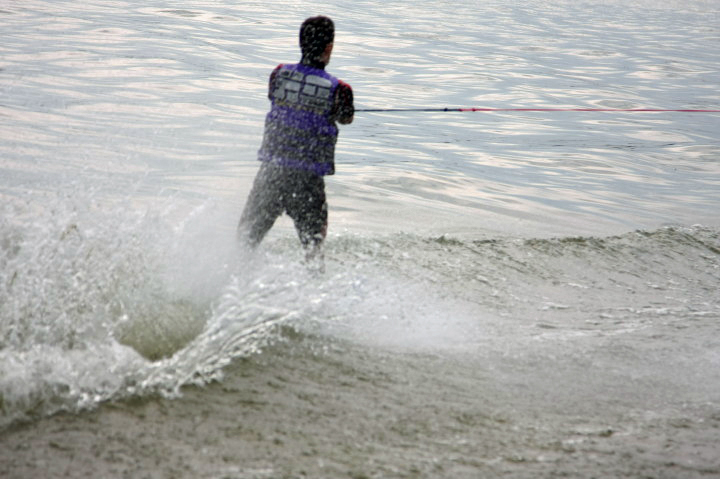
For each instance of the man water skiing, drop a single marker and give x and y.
(298, 147)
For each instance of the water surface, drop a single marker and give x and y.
(518, 293)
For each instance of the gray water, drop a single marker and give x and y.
(557, 270)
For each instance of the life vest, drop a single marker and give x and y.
(298, 130)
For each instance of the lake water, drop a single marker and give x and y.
(526, 294)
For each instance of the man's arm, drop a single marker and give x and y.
(271, 81)
(343, 109)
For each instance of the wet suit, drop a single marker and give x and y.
(297, 152)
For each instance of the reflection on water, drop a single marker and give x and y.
(174, 98)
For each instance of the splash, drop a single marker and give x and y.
(99, 301)
(95, 296)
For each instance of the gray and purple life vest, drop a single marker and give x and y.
(298, 130)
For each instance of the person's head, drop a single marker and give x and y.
(316, 38)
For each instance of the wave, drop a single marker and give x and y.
(101, 302)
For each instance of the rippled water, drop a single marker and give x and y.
(160, 98)
(536, 245)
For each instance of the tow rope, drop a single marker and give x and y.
(621, 110)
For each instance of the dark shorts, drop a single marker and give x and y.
(278, 190)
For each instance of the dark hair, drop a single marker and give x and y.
(316, 33)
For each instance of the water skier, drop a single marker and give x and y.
(298, 147)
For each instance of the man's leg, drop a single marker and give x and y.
(312, 234)
(310, 214)
(262, 208)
